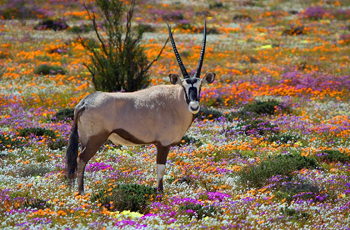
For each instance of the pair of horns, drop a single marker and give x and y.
(182, 67)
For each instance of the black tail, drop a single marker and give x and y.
(72, 151)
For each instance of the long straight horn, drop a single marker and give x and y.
(178, 58)
(199, 67)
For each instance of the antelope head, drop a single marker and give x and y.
(191, 84)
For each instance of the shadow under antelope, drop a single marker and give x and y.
(158, 115)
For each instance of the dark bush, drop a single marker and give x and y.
(58, 143)
(331, 156)
(198, 210)
(262, 107)
(188, 140)
(119, 63)
(84, 28)
(7, 142)
(294, 214)
(63, 115)
(34, 170)
(242, 17)
(256, 127)
(216, 5)
(25, 132)
(46, 70)
(206, 113)
(35, 203)
(284, 165)
(301, 191)
(131, 197)
(295, 30)
(258, 108)
(50, 24)
(188, 180)
(145, 28)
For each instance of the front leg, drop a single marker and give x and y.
(162, 155)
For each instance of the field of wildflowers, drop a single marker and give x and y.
(286, 168)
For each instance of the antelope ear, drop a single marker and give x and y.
(209, 78)
(174, 79)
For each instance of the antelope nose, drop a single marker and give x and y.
(194, 107)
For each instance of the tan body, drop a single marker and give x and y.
(158, 114)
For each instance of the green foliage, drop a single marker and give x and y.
(188, 180)
(283, 138)
(58, 143)
(84, 28)
(257, 109)
(46, 70)
(119, 63)
(50, 24)
(64, 114)
(207, 113)
(295, 30)
(6, 142)
(145, 28)
(35, 203)
(294, 214)
(217, 5)
(332, 156)
(34, 170)
(188, 140)
(25, 132)
(198, 210)
(284, 165)
(133, 197)
(258, 126)
(262, 107)
(304, 191)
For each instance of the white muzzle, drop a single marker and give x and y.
(194, 107)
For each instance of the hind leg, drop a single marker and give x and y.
(92, 145)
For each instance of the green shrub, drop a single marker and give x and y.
(295, 30)
(58, 143)
(303, 191)
(46, 70)
(294, 214)
(188, 180)
(198, 210)
(64, 114)
(84, 28)
(332, 156)
(145, 28)
(131, 197)
(253, 127)
(216, 5)
(188, 140)
(50, 24)
(34, 170)
(258, 108)
(262, 107)
(119, 63)
(284, 165)
(6, 142)
(206, 113)
(25, 132)
(35, 203)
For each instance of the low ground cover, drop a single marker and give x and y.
(269, 149)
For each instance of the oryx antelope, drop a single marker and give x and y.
(160, 115)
